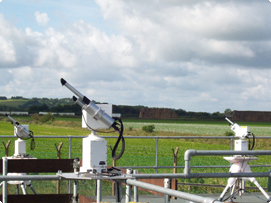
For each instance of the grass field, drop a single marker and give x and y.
(141, 152)
(12, 102)
(72, 126)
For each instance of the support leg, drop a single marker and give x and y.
(246, 168)
(23, 189)
(223, 193)
(233, 189)
(242, 186)
(31, 187)
(231, 182)
(253, 180)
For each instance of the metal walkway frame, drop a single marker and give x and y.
(134, 179)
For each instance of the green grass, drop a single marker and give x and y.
(75, 118)
(13, 102)
(198, 128)
(46, 129)
(204, 122)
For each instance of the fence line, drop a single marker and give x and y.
(156, 138)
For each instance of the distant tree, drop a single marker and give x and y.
(203, 115)
(181, 112)
(58, 108)
(8, 108)
(127, 111)
(16, 97)
(30, 103)
(44, 107)
(34, 109)
(3, 98)
(191, 114)
(217, 115)
(67, 108)
(228, 112)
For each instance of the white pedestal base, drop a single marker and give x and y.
(94, 154)
(20, 148)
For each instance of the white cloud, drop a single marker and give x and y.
(181, 31)
(228, 48)
(194, 55)
(41, 18)
(7, 51)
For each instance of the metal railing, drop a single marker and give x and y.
(187, 167)
(129, 179)
(156, 138)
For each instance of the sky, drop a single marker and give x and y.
(196, 55)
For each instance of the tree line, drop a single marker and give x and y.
(35, 105)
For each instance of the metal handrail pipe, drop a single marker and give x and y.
(146, 176)
(199, 175)
(139, 137)
(159, 176)
(30, 177)
(48, 136)
(191, 152)
(159, 167)
(228, 175)
(175, 193)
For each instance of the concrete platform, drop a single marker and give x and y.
(245, 198)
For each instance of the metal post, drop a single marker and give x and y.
(17, 189)
(156, 156)
(187, 157)
(166, 185)
(5, 183)
(113, 183)
(269, 182)
(70, 155)
(75, 192)
(128, 188)
(70, 147)
(76, 165)
(118, 191)
(231, 143)
(99, 190)
(135, 189)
